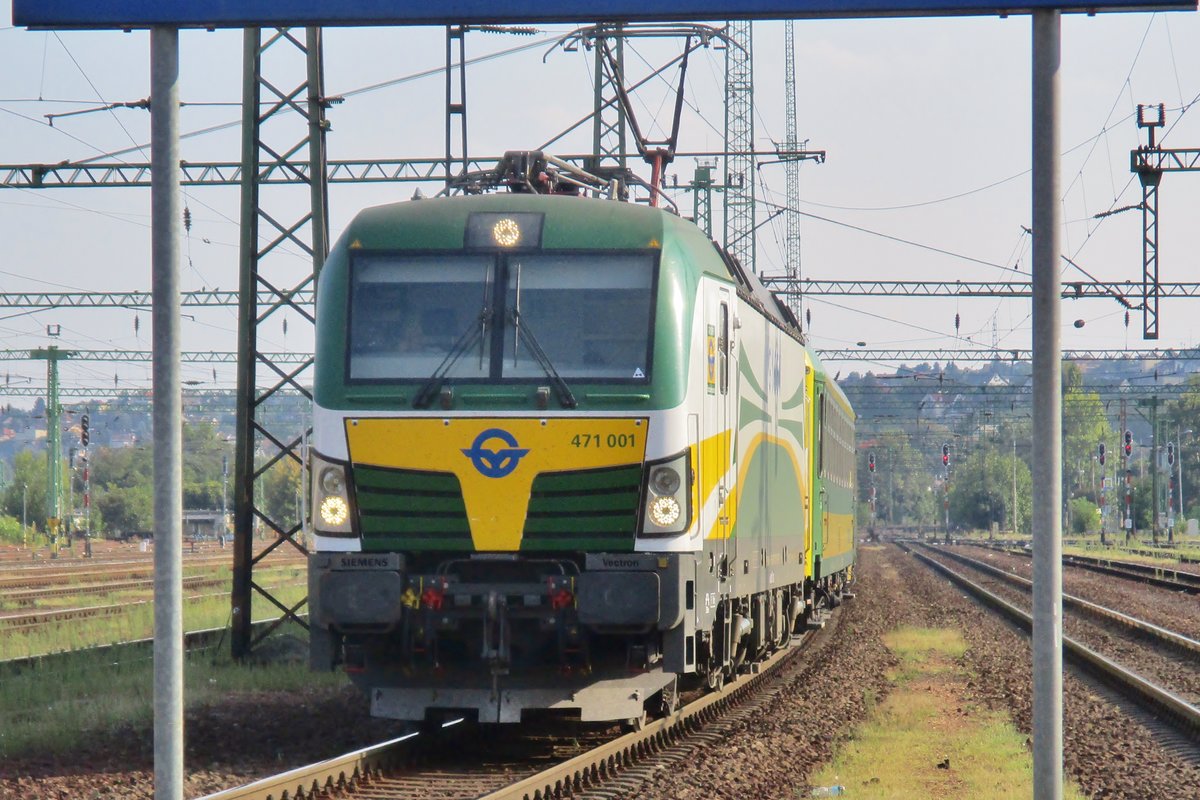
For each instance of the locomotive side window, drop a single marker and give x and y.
(590, 313)
(408, 312)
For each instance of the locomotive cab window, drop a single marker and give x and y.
(408, 312)
(501, 317)
(590, 314)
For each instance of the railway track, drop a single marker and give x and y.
(1155, 633)
(120, 652)
(422, 765)
(1181, 712)
(1176, 580)
(53, 575)
(200, 581)
(32, 619)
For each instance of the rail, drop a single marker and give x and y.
(1138, 688)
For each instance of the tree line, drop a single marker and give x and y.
(122, 486)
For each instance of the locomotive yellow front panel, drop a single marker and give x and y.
(496, 462)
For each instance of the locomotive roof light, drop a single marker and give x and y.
(506, 232)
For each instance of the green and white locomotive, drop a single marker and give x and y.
(566, 455)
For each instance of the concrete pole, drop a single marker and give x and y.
(1047, 412)
(165, 224)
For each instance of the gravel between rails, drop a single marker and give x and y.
(1106, 752)
(770, 755)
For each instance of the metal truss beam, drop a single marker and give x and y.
(947, 355)
(1071, 290)
(136, 301)
(901, 391)
(223, 173)
(884, 386)
(850, 354)
(196, 357)
(112, 393)
(69, 175)
(1164, 160)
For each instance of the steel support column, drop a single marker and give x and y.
(456, 101)
(269, 282)
(608, 121)
(739, 143)
(1150, 288)
(791, 170)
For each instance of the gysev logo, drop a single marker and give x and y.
(495, 463)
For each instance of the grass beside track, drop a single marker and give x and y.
(90, 697)
(928, 739)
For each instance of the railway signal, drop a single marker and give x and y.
(945, 455)
(1128, 443)
(1170, 454)
(870, 462)
(1101, 454)
(84, 435)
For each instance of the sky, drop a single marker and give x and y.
(926, 125)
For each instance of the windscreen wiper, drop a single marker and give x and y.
(524, 333)
(474, 333)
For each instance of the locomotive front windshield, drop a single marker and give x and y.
(589, 314)
(408, 312)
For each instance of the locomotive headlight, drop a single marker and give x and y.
(664, 511)
(664, 480)
(333, 480)
(334, 511)
(330, 498)
(667, 495)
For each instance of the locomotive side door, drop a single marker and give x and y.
(716, 454)
(728, 378)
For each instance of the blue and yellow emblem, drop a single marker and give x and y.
(497, 460)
